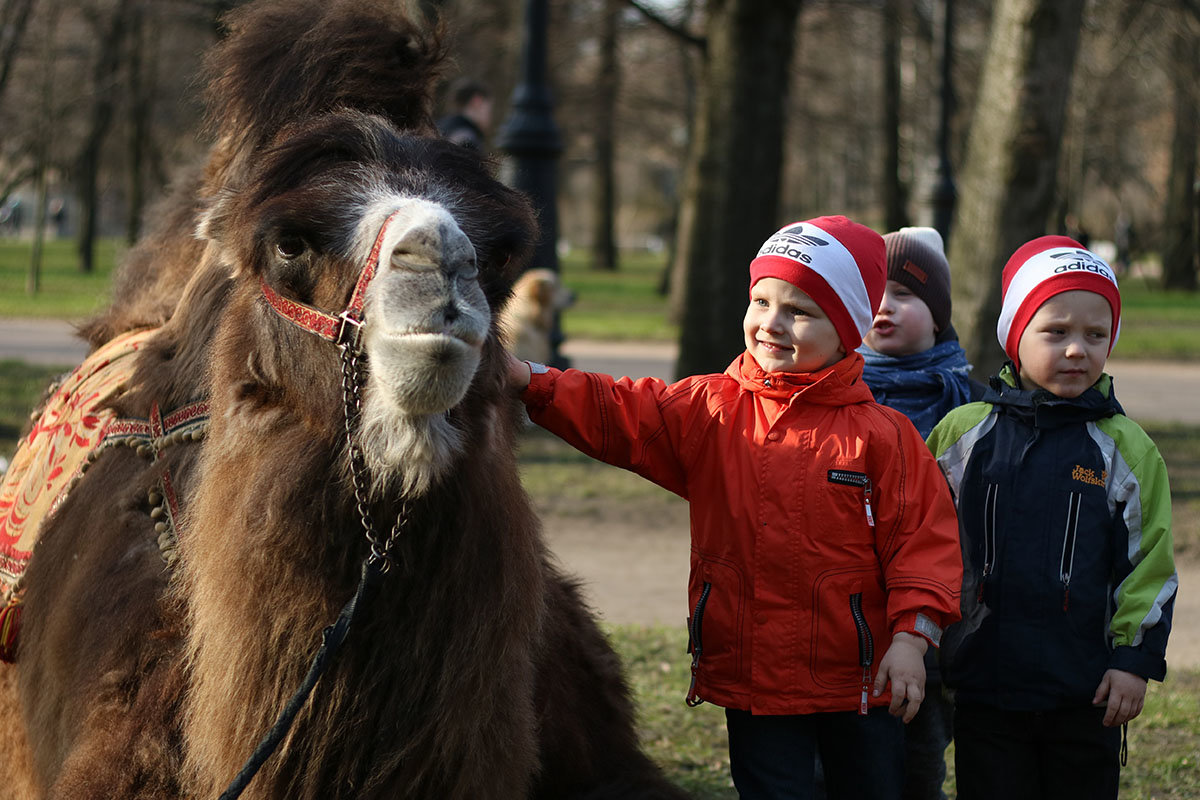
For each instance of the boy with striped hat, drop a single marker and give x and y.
(825, 557)
(1065, 518)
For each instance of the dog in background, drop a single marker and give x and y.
(528, 317)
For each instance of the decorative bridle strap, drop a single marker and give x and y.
(341, 329)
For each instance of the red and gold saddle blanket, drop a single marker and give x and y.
(47, 462)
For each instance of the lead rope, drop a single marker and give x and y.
(375, 565)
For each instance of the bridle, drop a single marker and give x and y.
(345, 331)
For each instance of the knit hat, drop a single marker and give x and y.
(917, 260)
(1042, 268)
(836, 262)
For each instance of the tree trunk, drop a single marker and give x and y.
(141, 107)
(14, 17)
(104, 99)
(604, 237)
(1007, 188)
(894, 194)
(731, 192)
(1179, 217)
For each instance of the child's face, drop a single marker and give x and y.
(786, 331)
(1065, 344)
(903, 323)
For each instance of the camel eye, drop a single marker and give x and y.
(290, 247)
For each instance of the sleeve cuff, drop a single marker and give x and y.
(920, 624)
(1150, 666)
(540, 391)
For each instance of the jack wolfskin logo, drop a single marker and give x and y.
(789, 244)
(1082, 261)
(1085, 475)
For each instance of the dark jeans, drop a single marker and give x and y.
(771, 757)
(925, 741)
(1064, 755)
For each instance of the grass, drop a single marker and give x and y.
(623, 305)
(1164, 742)
(65, 292)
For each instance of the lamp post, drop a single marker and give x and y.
(945, 194)
(531, 140)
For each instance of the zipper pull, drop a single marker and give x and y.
(866, 691)
(867, 500)
(1066, 594)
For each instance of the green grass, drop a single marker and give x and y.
(624, 305)
(65, 292)
(1164, 742)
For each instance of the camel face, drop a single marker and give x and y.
(426, 314)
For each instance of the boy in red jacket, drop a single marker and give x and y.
(825, 555)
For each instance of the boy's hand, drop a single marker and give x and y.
(904, 666)
(519, 373)
(1124, 693)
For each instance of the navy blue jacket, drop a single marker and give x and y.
(1064, 514)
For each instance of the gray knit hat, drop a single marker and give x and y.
(917, 259)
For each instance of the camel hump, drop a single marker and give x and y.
(283, 60)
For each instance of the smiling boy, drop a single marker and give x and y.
(825, 554)
(1065, 519)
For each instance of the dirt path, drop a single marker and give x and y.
(638, 574)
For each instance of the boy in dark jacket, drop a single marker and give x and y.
(915, 364)
(1065, 515)
(824, 546)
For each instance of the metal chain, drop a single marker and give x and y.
(381, 550)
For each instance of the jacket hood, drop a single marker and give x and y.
(838, 384)
(1042, 409)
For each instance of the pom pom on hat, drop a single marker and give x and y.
(916, 259)
(836, 262)
(1042, 268)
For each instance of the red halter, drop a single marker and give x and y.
(342, 329)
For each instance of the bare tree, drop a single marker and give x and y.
(895, 194)
(14, 17)
(1179, 245)
(604, 238)
(110, 29)
(1008, 183)
(732, 181)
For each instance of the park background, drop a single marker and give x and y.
(683, 133)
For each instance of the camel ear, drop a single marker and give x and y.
(213, 226)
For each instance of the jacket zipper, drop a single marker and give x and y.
(694, 631)
(1068, 553)
(866, 648)
(848, 478)
(989, 535)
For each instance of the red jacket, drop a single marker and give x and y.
(820, 523)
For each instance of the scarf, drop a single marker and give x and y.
(923, 386)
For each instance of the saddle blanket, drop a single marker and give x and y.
(73, 423)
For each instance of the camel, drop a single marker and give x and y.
(314, 392)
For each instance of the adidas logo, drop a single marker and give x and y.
(1082, 260)
(789, 245)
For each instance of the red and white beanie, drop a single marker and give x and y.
(1042, 268)
(840, 264)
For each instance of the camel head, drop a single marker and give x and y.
(409, 235)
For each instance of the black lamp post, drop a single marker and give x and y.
(945, 194)
(531, 140)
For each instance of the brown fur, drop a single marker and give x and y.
(476, 672)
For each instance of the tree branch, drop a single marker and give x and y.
(668, 26)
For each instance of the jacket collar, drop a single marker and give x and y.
(1045, 410)
(838, 384)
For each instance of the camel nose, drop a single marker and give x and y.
(433, 243)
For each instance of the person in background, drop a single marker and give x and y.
(914, 364)
(1065, 520)
(825, 556)
(471, 120)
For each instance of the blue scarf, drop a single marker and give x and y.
(923, 386)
